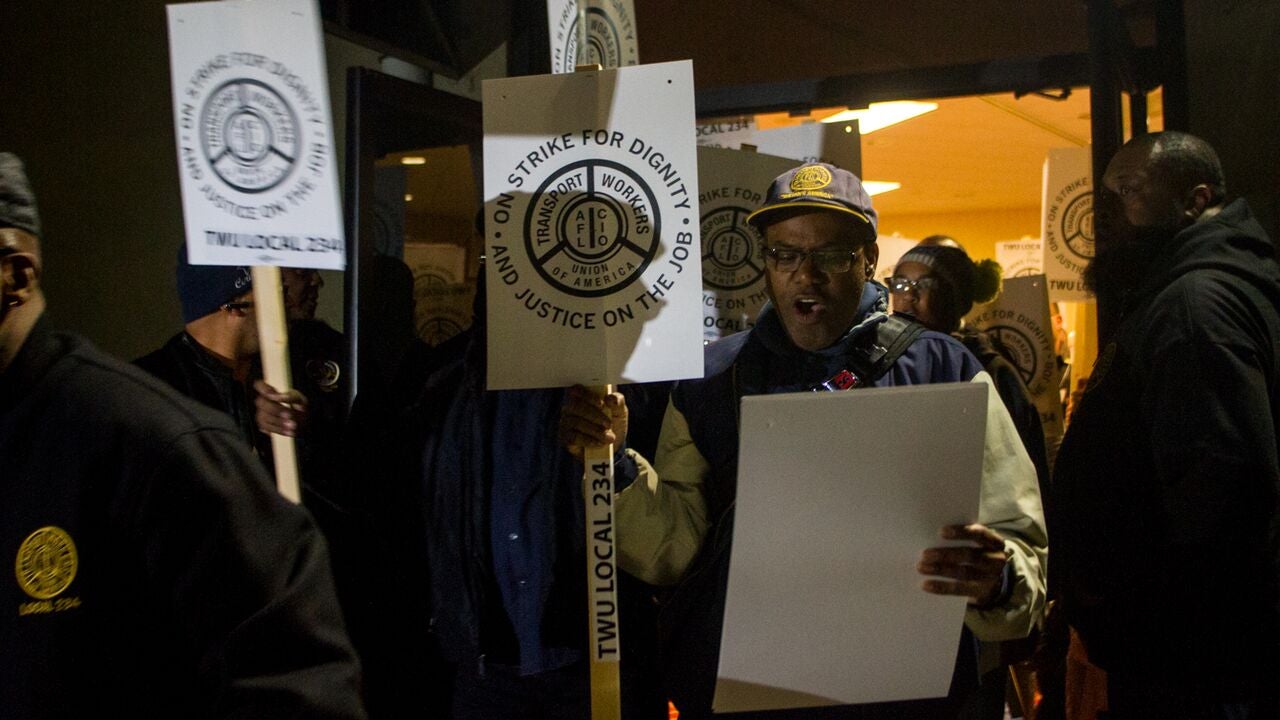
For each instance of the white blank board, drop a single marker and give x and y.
(838, 494)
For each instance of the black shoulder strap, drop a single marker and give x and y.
(893, 336)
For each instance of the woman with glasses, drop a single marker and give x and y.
(937, 283)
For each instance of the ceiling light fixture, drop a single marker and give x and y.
(408, 197)
(882, 114)
(413, 160)
(875, 187)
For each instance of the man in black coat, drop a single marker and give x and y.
(156, 572)
(1167, 544)
(214, 359)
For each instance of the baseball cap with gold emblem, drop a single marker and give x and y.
(820, 186)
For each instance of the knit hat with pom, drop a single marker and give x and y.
(963, 281)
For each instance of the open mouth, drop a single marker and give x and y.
(808, 307)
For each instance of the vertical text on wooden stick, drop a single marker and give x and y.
(600, 557)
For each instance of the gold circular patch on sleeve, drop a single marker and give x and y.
(46, 563)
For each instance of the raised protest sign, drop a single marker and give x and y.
(591, 216)
(1019, 258)
(255, 145)
(611, 34)
(810, 142)
(1067, 222)
(593, 266)
(442, 297)
(730, 133)
(255, 159)
(1019, 319)
(732, 184)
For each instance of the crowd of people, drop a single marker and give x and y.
(437, 565)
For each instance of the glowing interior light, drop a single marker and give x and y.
(875, 187)
(883, 114)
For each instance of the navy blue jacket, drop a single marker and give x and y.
(760, 361)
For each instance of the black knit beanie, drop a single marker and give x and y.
(202, 289)
(963, 281)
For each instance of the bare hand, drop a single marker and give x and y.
(277, 412)
(591, 420)
(962, 570)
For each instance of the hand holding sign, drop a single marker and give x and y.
(281, 413)
(592, 420)
(255, 158)
(593, 259)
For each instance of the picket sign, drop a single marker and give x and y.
(255, 152)
(592, 242)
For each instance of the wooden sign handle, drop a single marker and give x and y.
(273, 340)
(602, 570)
(602, 579)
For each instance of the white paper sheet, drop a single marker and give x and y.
(838, 494)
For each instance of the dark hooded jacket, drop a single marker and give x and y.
(1167, 483)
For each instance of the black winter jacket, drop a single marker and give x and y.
(1167, 483)
(160, 575)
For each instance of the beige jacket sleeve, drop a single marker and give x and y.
(663, 521)
(1010, 504)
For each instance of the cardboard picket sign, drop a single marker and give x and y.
(1020, 258)
(611, 34)
(442, 295)
(810, 142)
(255, 158)
(1020, 319)
(593, 266)
(591, 222)
(732, 184)
(254, 134)
(1067, 222)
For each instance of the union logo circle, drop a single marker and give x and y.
(1027, 361)
(732, 256)
(436, 329)
(604, 46)
(250, 135)
(324, 373)
(592, 228)
(46, 563)
(1077, 225)
(813, 177)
